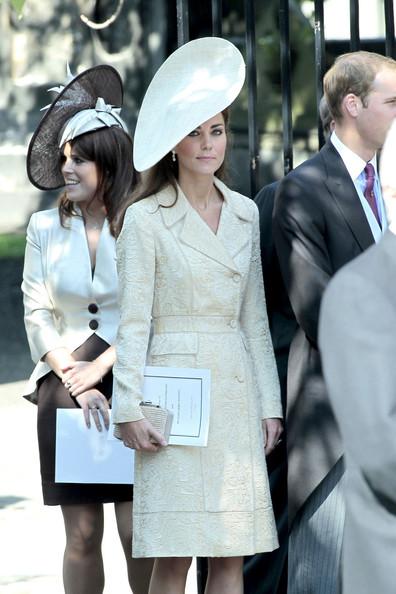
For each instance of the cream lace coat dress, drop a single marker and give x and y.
(203, 295)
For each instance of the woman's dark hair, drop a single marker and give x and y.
(111, 151)
(164, 174)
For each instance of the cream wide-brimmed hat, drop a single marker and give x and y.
(199, 80)
(89, 101)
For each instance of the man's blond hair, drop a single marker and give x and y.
(353, 72)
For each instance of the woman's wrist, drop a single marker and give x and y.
(101, 367)
(105, 361)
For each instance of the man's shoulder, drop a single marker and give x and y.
(317, 164)
(304, 182)
(310, 180)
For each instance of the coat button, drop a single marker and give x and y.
(240, 379)
(236, 277)
(233, 323)
(93, 308)
(93, 324)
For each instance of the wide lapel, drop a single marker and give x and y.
(105, 275)
(79, 247)
(105, 268)
(344, 193)
(194, 231)
(234, 230)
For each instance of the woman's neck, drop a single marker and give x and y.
(93, 214)
(199, 190)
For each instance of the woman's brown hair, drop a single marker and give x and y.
(111, 151)
(164, 174)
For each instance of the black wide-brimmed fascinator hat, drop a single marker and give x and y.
(89, 101)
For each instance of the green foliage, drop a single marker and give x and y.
(17, 5)
(12, 245)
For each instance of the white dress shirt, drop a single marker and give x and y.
(355, 166)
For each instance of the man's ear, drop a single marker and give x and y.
(351, 105)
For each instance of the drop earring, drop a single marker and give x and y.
(174, 156)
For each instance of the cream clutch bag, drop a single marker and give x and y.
(160, 418)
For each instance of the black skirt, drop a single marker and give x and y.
(52, 395)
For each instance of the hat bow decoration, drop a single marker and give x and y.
(101, 116)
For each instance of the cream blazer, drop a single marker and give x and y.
(64, 301)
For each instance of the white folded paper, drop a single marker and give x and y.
(89, 456)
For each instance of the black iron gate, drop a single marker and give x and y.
(251, 7)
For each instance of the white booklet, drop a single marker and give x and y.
(186, 393)
(89, 456)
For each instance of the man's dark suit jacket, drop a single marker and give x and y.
(266, 573)
(281, 318)
(319, 225)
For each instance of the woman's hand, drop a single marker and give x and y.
(272, 429)
(94, 404)
(59, 360)
(80, 376)
(141, 435)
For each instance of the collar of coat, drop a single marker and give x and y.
(234, 231)
(180, 208)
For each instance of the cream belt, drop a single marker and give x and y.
(195, 324)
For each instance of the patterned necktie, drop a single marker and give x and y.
(369, 172)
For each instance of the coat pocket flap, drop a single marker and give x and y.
(175, 343)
